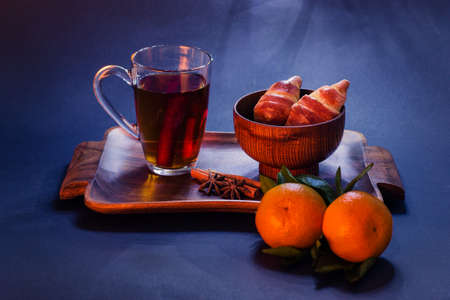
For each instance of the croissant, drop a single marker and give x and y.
(321, 105)
(274, 106)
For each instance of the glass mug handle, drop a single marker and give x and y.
(123, 74)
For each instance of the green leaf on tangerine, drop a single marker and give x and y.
(266, 183)
(327, 262)
(280, 178)
(352, 183)
(287, 175)
(285, 252)
(321, 186)
(338, 182)
(358, 271)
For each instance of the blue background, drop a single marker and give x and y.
(395, 53)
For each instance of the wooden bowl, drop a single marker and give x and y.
(300, 148)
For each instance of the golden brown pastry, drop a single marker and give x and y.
(321, 105)
(274, 106)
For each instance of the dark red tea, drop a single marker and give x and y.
(171, 112)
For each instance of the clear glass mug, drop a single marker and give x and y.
(171, 91)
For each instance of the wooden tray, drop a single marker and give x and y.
(123, 184)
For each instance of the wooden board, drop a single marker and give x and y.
(123, 184)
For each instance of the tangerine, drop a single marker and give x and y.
(357, 226)
(290, 214)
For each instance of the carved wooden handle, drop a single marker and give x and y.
(384, 175)
(81, 169)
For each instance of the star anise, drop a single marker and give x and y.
(213, 184)
(233, 189)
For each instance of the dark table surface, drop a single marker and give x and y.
(395, 53)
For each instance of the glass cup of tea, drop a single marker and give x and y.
(171, 91)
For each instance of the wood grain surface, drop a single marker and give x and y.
(123, 184)
(81, 169)
(385, 178)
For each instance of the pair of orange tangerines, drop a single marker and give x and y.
(356, 225)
